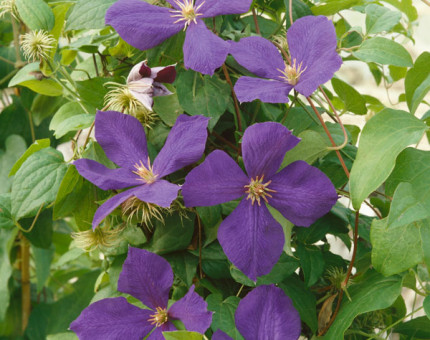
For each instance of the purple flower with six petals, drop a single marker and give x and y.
(266, 313)
(144, 26)
(123, 139)
(314, 60)
(251, 238)
(147, 277)
(145, 82)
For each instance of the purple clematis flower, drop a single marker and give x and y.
(251, 238)
(123, 139)
(147, 277)
(314, 60)
(266, 313)
(145, 82)
(144, 26)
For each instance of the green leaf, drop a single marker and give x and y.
(330, 7)
(406, 7)
(223, 318)
(36, 146)
(27, 77)
(312, 263)
(303, 300)
(41, 234)
(42, 259)
(88, 14)
(168, 107)
(426, 305)
(283, 269)
(6, 220)
(383, 138)
(37, 181)
(379, 19)
(374, 292)
(184, 265)
(354, 101)
(174, 234)
(200, 94)
(15, 146)
(418, 328)
(36, 14)
(182, 335)
(66, 111)
(74, 123)
(383, 51)
(7, 238)
(299, 9)
(417, 81)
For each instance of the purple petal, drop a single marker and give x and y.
(184, 145)
(146, 276)
(161, 193)
(165, 74)
(220, 335)
(160, 90)
(144, 98)
(303, 193)
(213, 8)
(105, 178)
(112, 318)
(140, 24)
(110, 205)
(192, 310)
(312, 41)
(157, 334)
(122, 138)
(269, 91)
(217, 180)
(265, 60)
(264, 146)
(204, 51)
(266, 313)
(251, 239)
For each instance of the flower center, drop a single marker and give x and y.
(159, 318)
(187, 12)
(145, 173)
(258, 190)
(291, 74)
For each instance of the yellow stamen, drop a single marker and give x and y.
(159, 318)
(145, 173)
(291, 74)
(258, 190)
(187, 12)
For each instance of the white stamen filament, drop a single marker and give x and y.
(187, 12)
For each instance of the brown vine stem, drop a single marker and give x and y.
(200, 245)
(342, 162)
(225, 141)
(257, 27)
(87, 139)
(348, 275)
(25, 282)
(291, 11)
(233, 94)
(345, 135)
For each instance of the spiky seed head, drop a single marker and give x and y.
(37, 45)
(90, 240)
(143, 212)
(8, 6)
(281, 40)
(121, 99)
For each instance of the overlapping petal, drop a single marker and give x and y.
(220, 335)
(264, 146)
(140, 24)
(122, 138)
(312, 42)
(112, 318)
(266, 313)
(269, 91)
(303, 193)
(165, 74)
(192, 310)
(105, 178)
(110, 205)
(252, 239)
(146, 276)
(161, 193)
(217, 180)
(184, 145)
(259, 56)
(204, 51)
(157, 334)
(213, 8)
